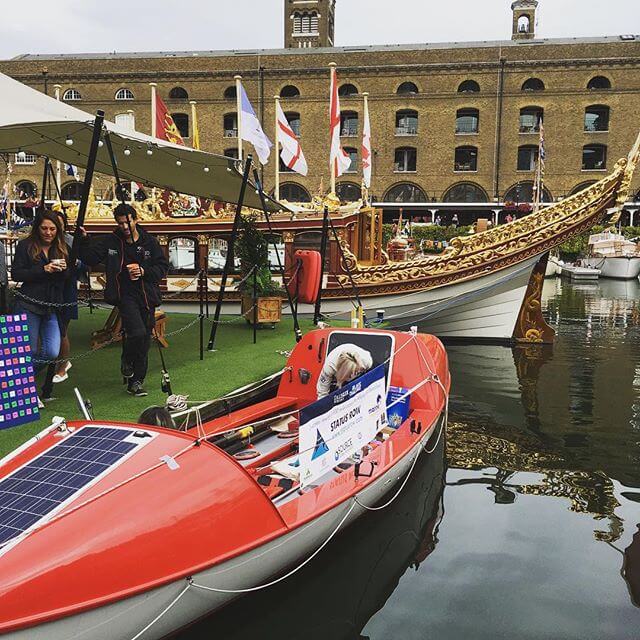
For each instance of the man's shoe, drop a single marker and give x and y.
(136, 389)
(126, 369)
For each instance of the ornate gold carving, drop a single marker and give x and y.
(531, 325)
(288, 236)
(163, 240)
(203, 238)
(485, 252)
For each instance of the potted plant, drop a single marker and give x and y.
(253, 252)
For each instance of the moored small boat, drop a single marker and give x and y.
(134, 531)
(577, 272)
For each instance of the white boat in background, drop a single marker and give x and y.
(554, 266)
(614, 255)
(575, 272)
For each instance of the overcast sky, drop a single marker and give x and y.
(75, 26)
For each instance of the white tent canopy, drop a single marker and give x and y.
(35, 123)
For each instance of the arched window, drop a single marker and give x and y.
(347, 90)
(524, 24)
(306, 22)
(182, 122)
(124, 94)
(530, 119)
(581, 187)
(596, 118)
(406, 122)
(348, 123)
(527, 157)
(348, 191)
(523, 192)
(230, 93)
(290, 91)
(230, 125)
(353, 154)
(594, 157)
(297, 22)
(25, 189)
(405, 192)
(467, 121)
(294, 121)
(71, 190)
(231, 153)
(314, 22)
(405, 159)
(182, 255)
(533, 84)
(599, 83)
(70, 95)
(178, 93)
(469, 86)
(407, 89)
(293, 192)
(466, 159)
(465, 192)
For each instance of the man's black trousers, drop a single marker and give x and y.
(137, 324)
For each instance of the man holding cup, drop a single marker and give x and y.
(134, 267)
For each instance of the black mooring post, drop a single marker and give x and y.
(323, 252)
(255, 304)
(294, 311)
(201, 301)
(228, 265)
(205, 276)
(86, 186)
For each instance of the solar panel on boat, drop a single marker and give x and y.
(45, 483)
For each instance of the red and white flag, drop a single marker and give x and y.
(366, 149)
(291, 153)
(339, 161)
(166, 128)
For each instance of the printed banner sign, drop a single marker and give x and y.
(338, 425)
(18, 397)
(397, 405)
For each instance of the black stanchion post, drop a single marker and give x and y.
(228, 265)
(255, 304)
(200, 298)
(45, 180)
(323, 252)
(206, 293)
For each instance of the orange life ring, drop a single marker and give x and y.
(306, 279)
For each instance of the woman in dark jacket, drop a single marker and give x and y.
(40, 264)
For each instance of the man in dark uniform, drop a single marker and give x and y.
(134, 266)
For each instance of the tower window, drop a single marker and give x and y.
(524, 24)
(406, 159)
(466, 159)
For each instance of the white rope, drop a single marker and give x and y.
(163, 612)
(286, 575)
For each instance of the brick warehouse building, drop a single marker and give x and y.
(451, 122)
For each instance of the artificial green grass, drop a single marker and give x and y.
(236, 362)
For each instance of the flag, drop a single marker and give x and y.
(291, 153)
(366, 149)
(72, 170)
(339, 161)
(539, 180)
(251, 130)
(195, 139)
(166, 128)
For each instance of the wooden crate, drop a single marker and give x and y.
(269, 310)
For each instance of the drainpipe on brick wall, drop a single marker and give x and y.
(261, 100)
(496, 168)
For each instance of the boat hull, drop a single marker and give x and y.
(123, 619)
(619, 267)
(582, 274)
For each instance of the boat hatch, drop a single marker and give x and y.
(379, 345)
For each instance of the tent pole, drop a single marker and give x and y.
(323, 253)
(86, 185)
(45, 181)
(228, 265)
(263, 200)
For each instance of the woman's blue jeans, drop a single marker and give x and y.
(43, 331)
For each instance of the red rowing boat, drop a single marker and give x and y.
(129, 531)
